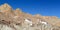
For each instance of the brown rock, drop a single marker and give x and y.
(10, 16)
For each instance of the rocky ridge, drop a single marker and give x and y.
(18, 20)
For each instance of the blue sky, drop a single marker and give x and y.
(43, 7)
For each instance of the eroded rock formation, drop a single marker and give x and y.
(17, 20)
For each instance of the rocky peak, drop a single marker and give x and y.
(18, 10)
(5, 7)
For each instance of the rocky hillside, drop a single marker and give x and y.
(17, 20)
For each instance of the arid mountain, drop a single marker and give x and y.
(17, 20)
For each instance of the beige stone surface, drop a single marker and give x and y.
(16, 20)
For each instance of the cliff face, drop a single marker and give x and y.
(17, 20)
